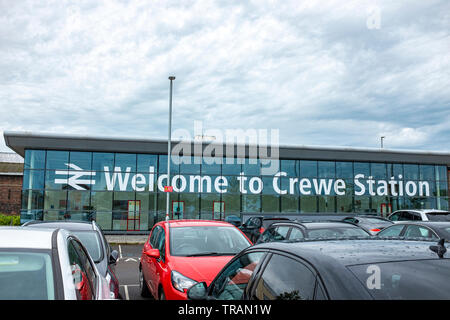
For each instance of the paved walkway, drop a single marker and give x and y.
(126, 239)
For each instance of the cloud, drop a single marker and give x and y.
(312, 69)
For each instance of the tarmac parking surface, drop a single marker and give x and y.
(127, 270)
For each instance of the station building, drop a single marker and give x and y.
(120, 182)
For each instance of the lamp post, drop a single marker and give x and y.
(169, 149)
(382, 141)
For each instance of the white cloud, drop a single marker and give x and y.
(311, 69)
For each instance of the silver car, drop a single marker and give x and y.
(47, 264)
(419, 215)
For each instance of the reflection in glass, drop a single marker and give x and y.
(34, 159)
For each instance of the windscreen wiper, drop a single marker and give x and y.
(201, 254)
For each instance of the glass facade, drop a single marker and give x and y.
(125, 192)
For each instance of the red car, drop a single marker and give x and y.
(180, 253)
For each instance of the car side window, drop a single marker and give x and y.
(296, 233)
(285, 279)
(393, 231)
(268, 235)
(82, 271)
(154, 236)
(232, 281)
(418, 232)
(161, 245)
(394, 216)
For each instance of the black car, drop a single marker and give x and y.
(255, 226)
(417, 229)
(371, 223)
(363, 269)
(92, 237)
(293, 230)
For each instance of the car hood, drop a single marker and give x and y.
(199, 268)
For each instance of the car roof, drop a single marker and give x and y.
(63, 224)
(423, 210)
(345, 252)
(197, 223)
(328, 224)
(23, 237)
(436, 224)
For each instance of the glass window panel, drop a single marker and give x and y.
(344, 203)
(441, 188)
(79, 201)
(191, 203)
(268, 185)
(207, 206)
(100, 160)
(34, 159)
(192, 165)
(104, 220)
(251, 203)
(361, 168)
(57, 160)
(289, 203)
(125, 160)
(174, 165)
(308, 168)
(33, 179)
(288, 185)
(394, 170)
(232, 203)
(344, 169)
(290, 167)
(327, 204)
(378, 170)
(308, 204)
(82, 160)
(120, 202)
(427, 172)
(101, 201)
(32, 200)
(55, 200)
(211, 165)
(119, 220)
(326, 169)
(251, 167)
(145, 161)
(362, 204)
(441, 173)
(54, 181)
(442, 203)
(53, 215)
(231, 169)
(270, 203)
(233, 184)
(379, 204)
(411, 172)
(269, 167)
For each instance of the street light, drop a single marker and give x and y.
(382, 141)
(171, 78)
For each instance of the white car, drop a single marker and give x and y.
(419, 215)
(47, 264)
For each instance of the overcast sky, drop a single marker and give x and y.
(331, 73)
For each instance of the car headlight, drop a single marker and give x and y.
(181, 282)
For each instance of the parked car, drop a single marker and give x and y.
(255, 226)
(371, 223)
(47, 264)
(420, 215)
(418, 229)
(179, 253)
(335, 270)
(293, 230)
(94, 240)
(234, 220)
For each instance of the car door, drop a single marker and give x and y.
(231, 283)
(392, 231)
(284, 278)
(84, 276)
(148, 264)
(160, 264)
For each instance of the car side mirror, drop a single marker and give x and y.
(197, 291)
(152, 253)
(113, 257)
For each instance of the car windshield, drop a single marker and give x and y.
(439, 216)
(406, 280)
(336, 232)
(91, 240)
(206, 240)
(26, 276)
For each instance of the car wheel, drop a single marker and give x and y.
(143, 285)
(162, 295)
